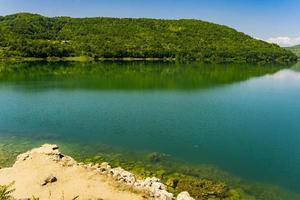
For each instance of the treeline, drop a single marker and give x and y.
(295, 50)
(30, 35)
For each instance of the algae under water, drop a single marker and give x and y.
(238, 124)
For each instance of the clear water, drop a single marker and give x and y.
(241, 119)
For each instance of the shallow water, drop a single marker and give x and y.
(241, 119)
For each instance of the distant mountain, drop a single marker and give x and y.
(295, 50)
(32, 35)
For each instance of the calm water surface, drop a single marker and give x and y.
(241, 119)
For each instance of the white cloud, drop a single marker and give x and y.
(284, 41)
(286, 75)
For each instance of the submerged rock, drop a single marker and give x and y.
(156, 157)
(203, 189)
(172, 182)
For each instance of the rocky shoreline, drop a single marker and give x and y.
(46, 173)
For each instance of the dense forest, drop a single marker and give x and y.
(295, 50)
(32, 35)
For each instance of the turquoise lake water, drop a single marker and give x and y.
(241, 119)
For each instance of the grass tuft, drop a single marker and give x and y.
(6, 191)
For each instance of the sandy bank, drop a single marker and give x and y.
(47, 174)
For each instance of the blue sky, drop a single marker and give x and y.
(273, 20)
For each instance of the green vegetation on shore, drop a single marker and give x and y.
(27, 35)
(295, 50)
(6, 191)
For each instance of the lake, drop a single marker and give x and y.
(239, 119)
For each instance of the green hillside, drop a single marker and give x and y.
(295, 50)
(31, 35)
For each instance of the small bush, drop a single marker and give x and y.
(6, 191)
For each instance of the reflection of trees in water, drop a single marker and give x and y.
(129, 75)
(296, 66)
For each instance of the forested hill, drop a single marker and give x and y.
(31, 35)
(295, 50)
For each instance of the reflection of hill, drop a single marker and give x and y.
(128, 75)
(296, 67)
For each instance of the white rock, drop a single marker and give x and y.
(104, 167)
(67, 161)
(160, 194)
(122, 175)
(164, 195)
(96, 166)
(138, 184)
(153, 182)
(155, 187)
(184, 196)
(23, 157)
